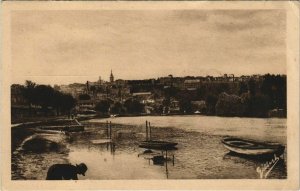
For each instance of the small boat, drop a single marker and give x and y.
(252, 148)
(160, 145)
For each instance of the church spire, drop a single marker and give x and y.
(111, 78)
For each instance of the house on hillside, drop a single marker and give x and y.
(192, 84)
(144, 97)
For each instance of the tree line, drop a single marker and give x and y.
(47, 98)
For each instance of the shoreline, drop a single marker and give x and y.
(84, 118)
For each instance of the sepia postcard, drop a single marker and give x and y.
(150, 95)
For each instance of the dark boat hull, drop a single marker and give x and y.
(161, 145)
(252, 148)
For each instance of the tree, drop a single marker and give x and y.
(44, 95)
(93, 89)
(185, 98)
(171, 92)
(185, 106)
(133, 106)
(166, 102)
(57, 101)
(258, 106)
(117, 108)
(47, 97)
(211, 101)
(29, 94)
(158, 109)
(68, 103)
(84, 97)
(275, 88)
(201, 92)
(252, 87)
(103, 106)
(229, 105)
(243, 88)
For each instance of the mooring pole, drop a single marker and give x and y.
(173, 160)
(110, 129)
(166, 154)
(149, 131)
(167, 173)
(146, 130)
(107, 129)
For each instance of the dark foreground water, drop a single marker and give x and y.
(199, 154)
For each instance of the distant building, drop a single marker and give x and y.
(144, 97)
(100, 81)
(141, 94)
(120, 82)
(174, 107)
(84, 105)
(229, 77)
(244, 78)
(166, 81)
(199, 106)
(148, 109)
(192, 84)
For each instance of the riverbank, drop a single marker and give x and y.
(46, 120)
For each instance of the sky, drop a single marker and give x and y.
(64, 46)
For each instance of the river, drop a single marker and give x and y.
(265, 129)
(199, 154)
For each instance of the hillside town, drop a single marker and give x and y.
(227, 95)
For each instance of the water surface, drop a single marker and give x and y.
(199, 154)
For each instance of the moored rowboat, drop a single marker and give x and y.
(252, 148)
(161, 145)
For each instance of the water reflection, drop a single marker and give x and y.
(200, 154)
(159, 158)
(104, 164)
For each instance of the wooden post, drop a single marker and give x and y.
(107, 129)
(166, 154)
(110, 129)
(166, 160)
(146, 130)
(149, 131)
(173, 160)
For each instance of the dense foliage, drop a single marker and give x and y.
(103, 106)
(48, 98)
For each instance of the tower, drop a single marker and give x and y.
(87, 87)
(100, 81)
(111, 78)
